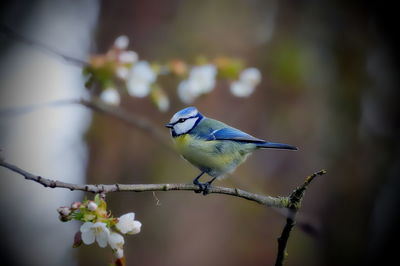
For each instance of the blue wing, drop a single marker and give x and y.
(237, 135)
(233, 134)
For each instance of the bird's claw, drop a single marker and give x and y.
(203, 188)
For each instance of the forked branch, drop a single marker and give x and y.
(293, 205)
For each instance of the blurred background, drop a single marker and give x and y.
(329, 86)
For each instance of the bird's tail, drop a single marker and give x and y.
(273, 145)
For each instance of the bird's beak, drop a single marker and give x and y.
(169, 125)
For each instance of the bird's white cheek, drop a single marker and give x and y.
(184, 127)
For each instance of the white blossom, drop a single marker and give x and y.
(121, 42)
(128, 225)
(122, 72)
(201, 80)
(140, 78)
(248, 80)
(110, 96)
(128, 57)
(119, 253)
(95, 232)
(250, 76)
(204, 76)
(241, 89)
(116, 241)
(188, 91)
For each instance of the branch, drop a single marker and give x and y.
(292, 203)
(99, 106)
(131, 119)
(293, 206)
(278, 202)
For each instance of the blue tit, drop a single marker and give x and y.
(212, 146)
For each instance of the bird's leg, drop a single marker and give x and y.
(207, 186)
(196, 181)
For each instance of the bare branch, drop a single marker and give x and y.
(278, 202)
(131, 119)
(293, 206)
(292, 203)
(99, 106)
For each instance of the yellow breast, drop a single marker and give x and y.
(182, 142)
(218, 157)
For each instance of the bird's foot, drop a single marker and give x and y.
(203, 187)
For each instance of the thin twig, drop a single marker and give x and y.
(99, 106)
(268, 201)
(293, 206)
(131, 119)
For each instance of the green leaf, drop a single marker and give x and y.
(97, 199)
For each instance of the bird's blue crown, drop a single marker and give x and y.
(188, 111)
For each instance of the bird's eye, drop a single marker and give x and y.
(182, 120)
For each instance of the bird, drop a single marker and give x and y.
(212, 146)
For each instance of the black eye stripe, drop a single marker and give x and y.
(181, 120)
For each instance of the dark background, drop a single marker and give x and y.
(330, 86)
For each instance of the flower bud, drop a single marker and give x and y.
(110, 96)
(77, 239)
(178, 67)
(64, 211)
(75, 205)
(64, 214)
(121, 42)
(92, 206)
